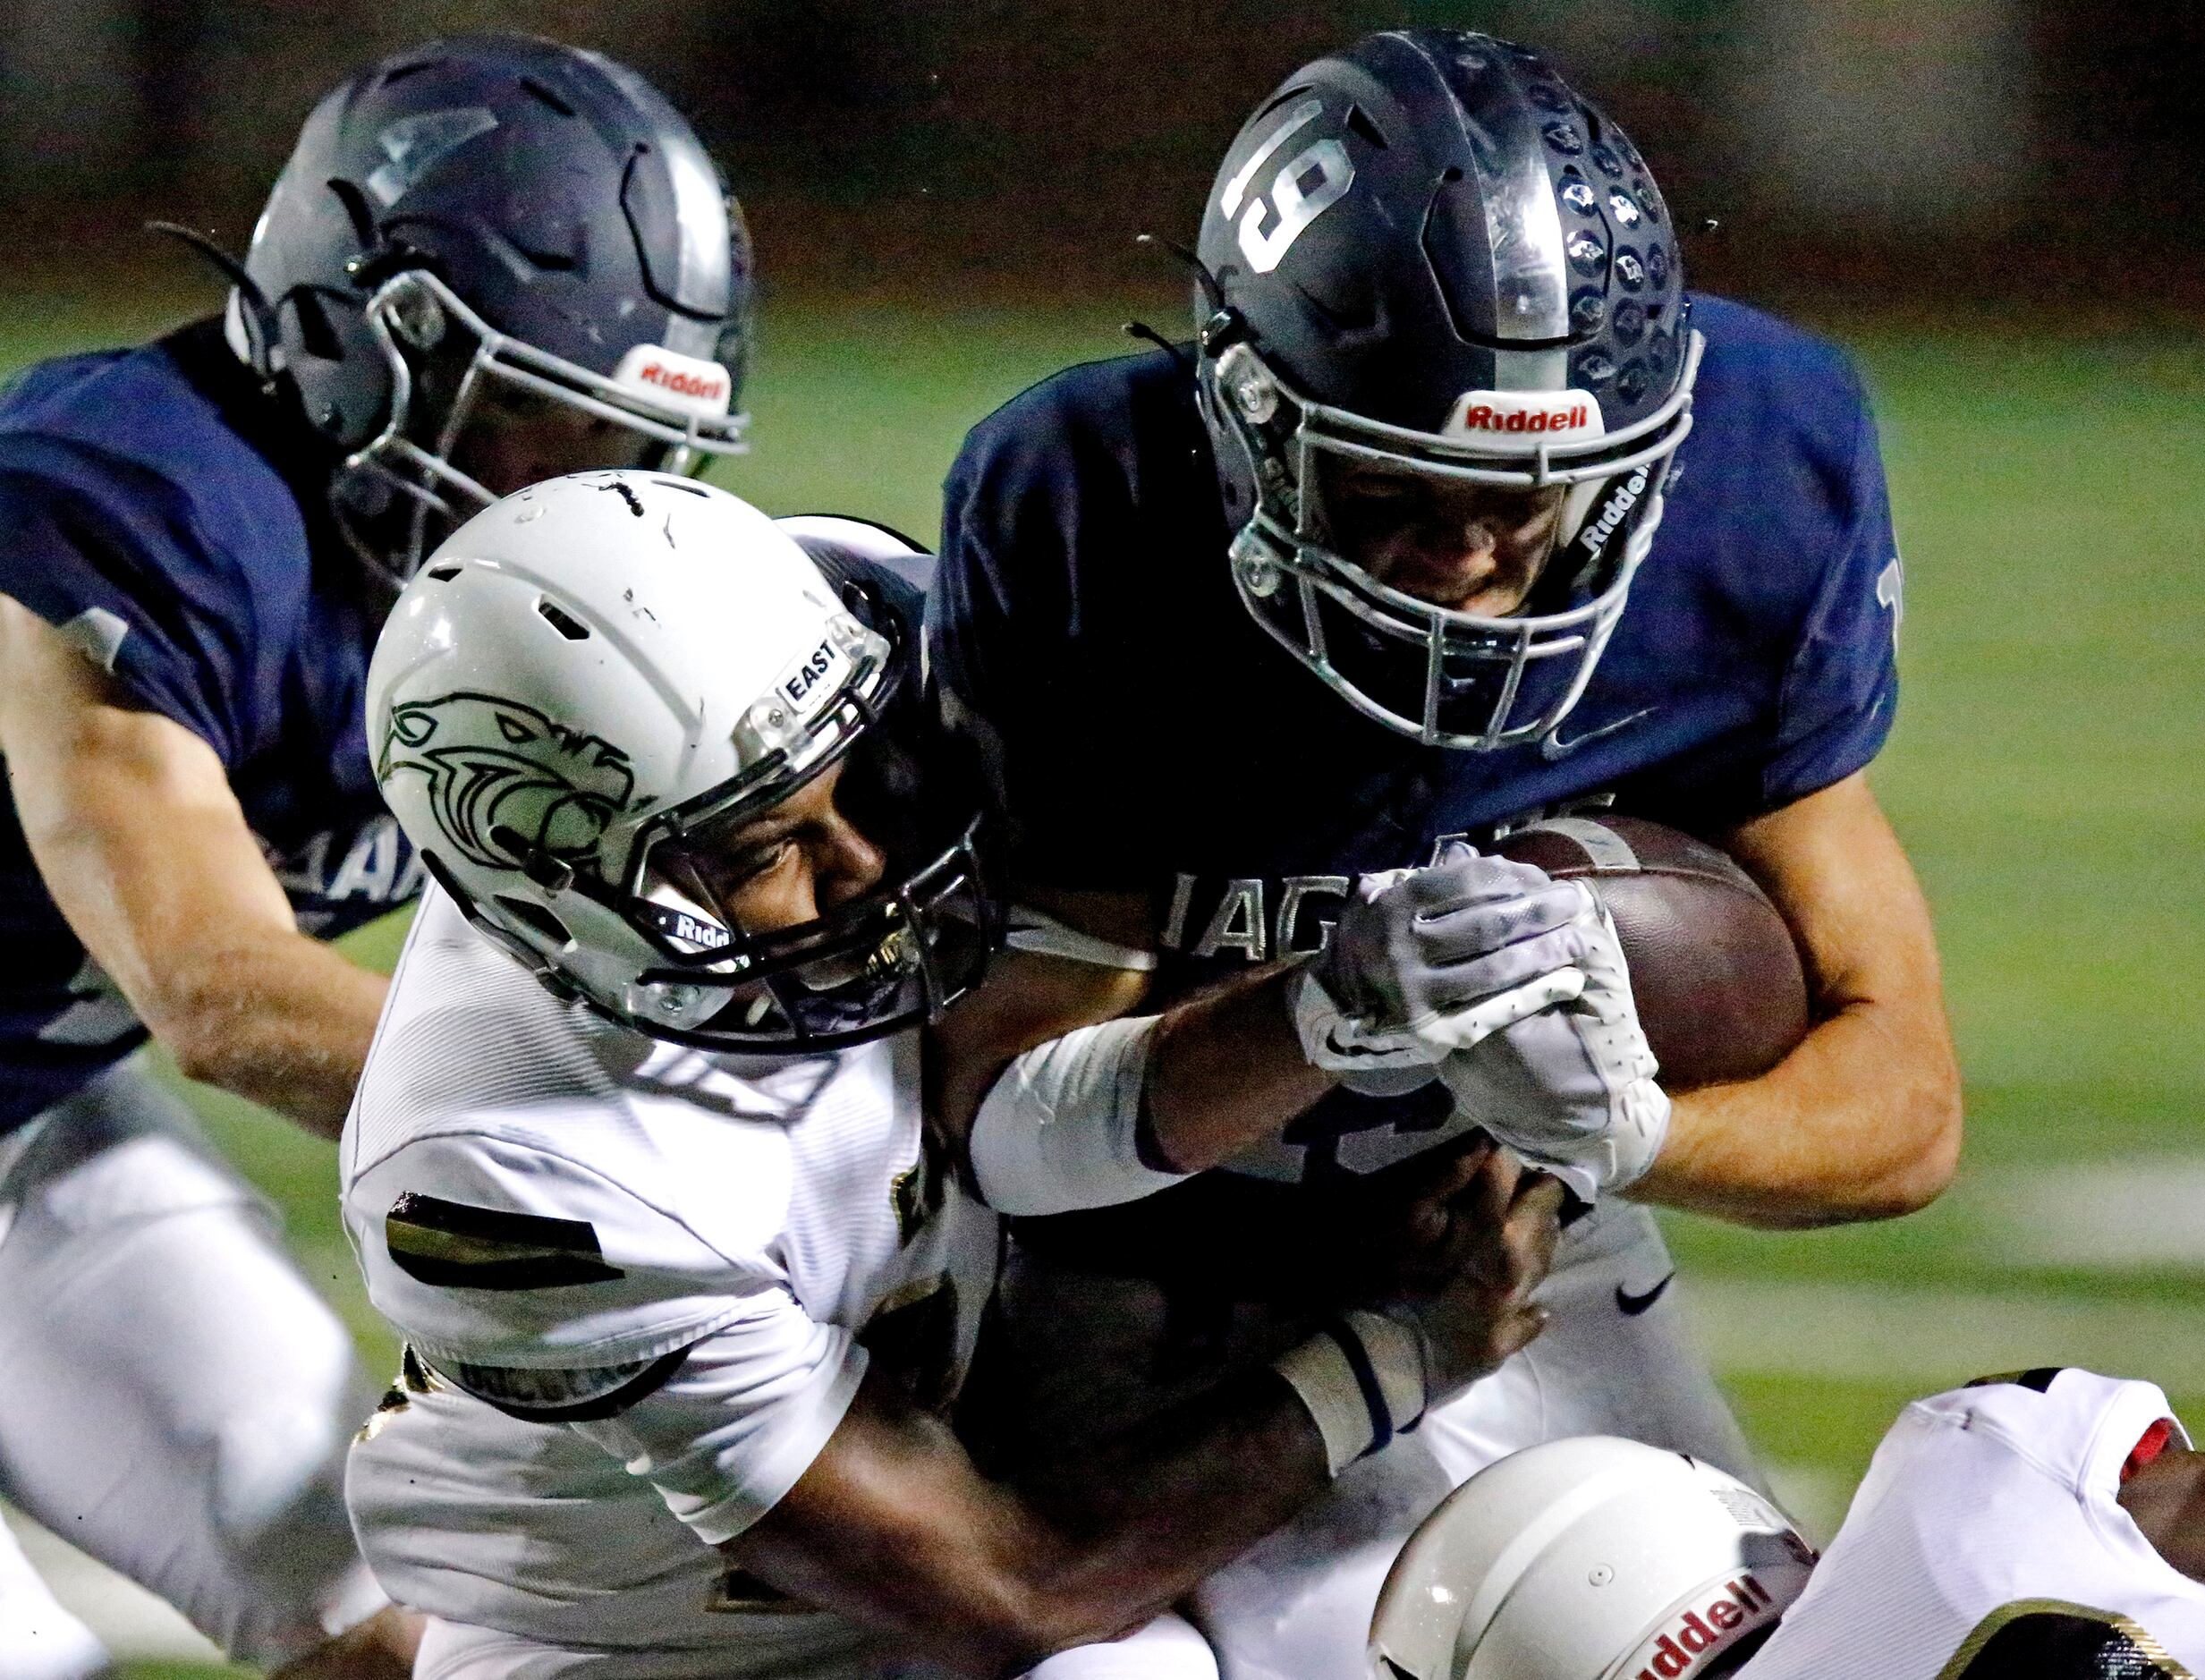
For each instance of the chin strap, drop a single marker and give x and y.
(1034, 931)
(254, 310)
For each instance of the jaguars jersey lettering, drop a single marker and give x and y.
(1152, 740)
(1270, 919)
(150, 507)
(1988, 1542)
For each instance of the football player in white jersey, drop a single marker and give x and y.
(687, 1277)
(2045, 1525)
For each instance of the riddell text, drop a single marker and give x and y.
(1482, 419)
(1696, 1632)
(681, 382)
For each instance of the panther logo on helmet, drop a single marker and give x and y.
(495, 764)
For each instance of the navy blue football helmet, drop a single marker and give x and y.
(493, 211)
(1427, 254)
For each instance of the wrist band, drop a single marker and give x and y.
(1399, 1361)
(1362, 1378)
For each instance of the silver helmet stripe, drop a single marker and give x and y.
(701, 218)
(1523, 225)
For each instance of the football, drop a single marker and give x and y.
(1717, 979)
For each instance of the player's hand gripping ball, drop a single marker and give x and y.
(1573, 1088)
(1427, 961)
(1717, 981)
(1570, 1088)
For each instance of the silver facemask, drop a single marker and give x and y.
(415, 311)
(1450, 679)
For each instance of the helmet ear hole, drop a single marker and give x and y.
(316, 335)
(565, 623)
(356, 211)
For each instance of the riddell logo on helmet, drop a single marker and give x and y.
(1685, 1642)
(688, 382)
(1524, 419)
(681, 382)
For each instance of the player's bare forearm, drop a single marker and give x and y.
(282, 1020)
(1158, 1512)
(1840, 1132)
(137, 836)
(892, 1526)
(1227, 1072)
(1862, 1120)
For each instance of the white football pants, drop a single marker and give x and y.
(175, 1400)
(39, 1639)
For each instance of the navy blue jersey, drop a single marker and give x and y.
(1153, 739)
(152, 503)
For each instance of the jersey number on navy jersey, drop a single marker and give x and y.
(2047, 1639)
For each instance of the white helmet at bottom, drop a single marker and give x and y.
(1588, 1560)
(591, 671)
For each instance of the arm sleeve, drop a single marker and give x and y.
(1060, 1130)
(117, 566)
(742, 1419)
(1840, 688)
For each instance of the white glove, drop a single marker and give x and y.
(1425, 962)
(1571, 1089)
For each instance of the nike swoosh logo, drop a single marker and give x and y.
(1554, 747)
(1631, 1305)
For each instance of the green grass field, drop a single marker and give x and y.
(2048, 494)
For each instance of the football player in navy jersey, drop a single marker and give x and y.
(1372, 565)
(487, 261)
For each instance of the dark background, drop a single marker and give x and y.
(1858, 152)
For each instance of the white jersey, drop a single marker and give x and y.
(674, 1265)
(1988, 1541)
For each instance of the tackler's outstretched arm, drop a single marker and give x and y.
(893, 1524)
(1066, 1099)
(133, 824)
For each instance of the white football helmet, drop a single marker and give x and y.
(594, 667)
(1588, 1560)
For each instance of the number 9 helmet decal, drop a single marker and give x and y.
(1428, 256)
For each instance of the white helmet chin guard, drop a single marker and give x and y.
(590, 671)
(1588, 1560)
